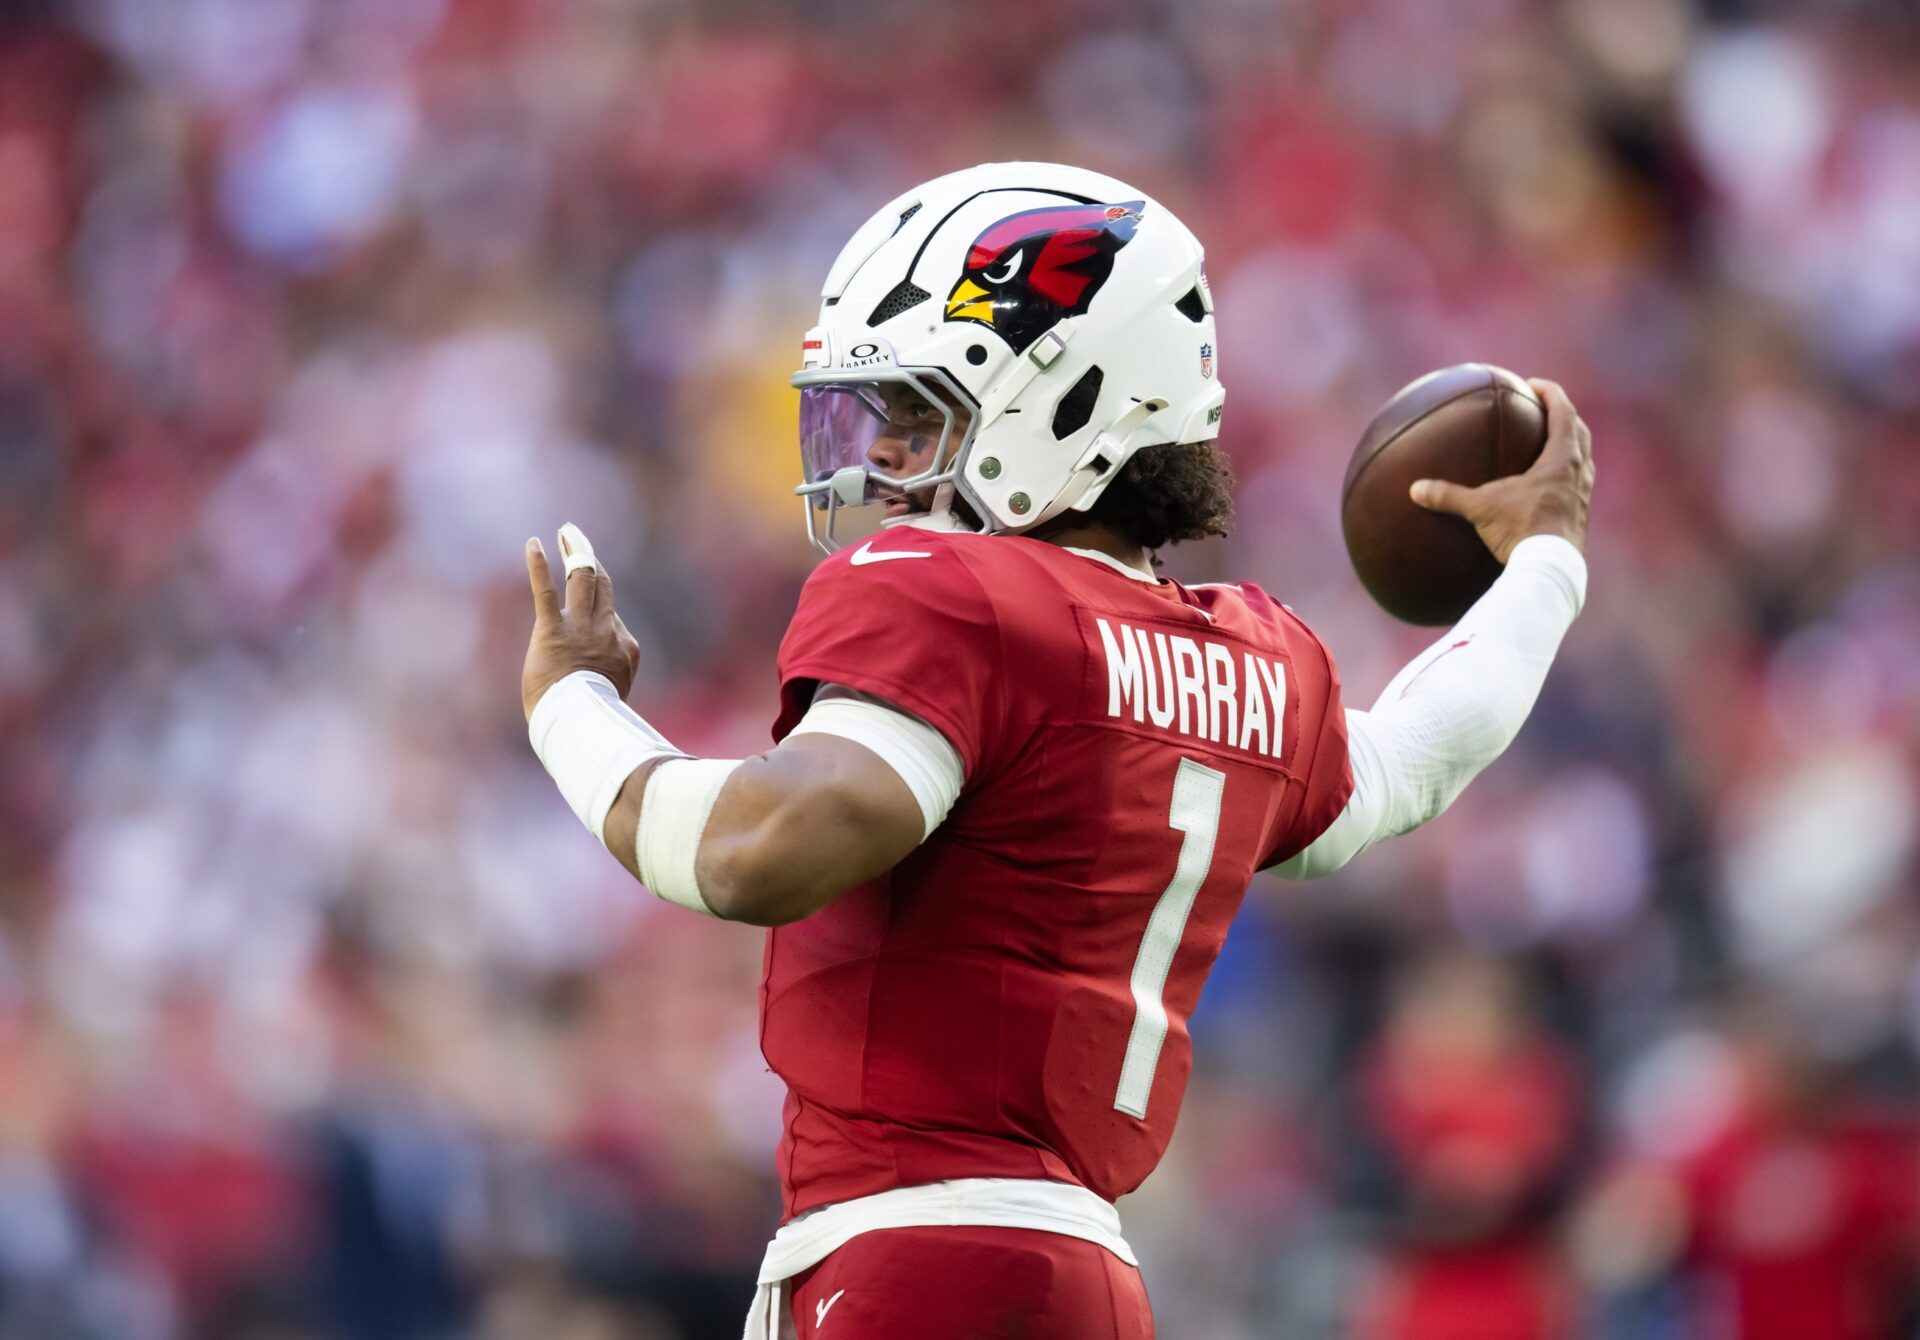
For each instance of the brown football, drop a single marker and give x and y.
(1468, 423)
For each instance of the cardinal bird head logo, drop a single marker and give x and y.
(1032, 268)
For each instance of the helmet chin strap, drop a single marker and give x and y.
(942, 515)
(1101, 461)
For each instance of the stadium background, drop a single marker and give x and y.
(321, 1020)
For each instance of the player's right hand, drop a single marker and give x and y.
(1551, 498)
(584, 632)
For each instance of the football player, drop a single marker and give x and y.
(1021, 781)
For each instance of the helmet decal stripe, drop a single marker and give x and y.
(934, 232)
(1089, 219)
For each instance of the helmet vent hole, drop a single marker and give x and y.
(905, 295)
(1075, 409)
(1191, 306)
(906, 214)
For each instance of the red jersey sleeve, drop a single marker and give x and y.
(901, 617)
(1323, 765)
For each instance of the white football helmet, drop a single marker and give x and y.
(1047, 321)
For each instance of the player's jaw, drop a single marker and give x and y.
(900, 455)
(907, 447)
(906, 502)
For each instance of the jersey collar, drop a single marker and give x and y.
(1127, 569)
(925, 521)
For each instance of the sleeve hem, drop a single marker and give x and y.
(1557, 556)
(901, 695)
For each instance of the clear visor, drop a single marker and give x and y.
(888, 439)
(839, 424)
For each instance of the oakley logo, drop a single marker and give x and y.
(865, 555)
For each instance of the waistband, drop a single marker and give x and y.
(975, 1202)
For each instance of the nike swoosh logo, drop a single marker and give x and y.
(820, 1310)
(865, 555)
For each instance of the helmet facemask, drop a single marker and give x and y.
(892, 436)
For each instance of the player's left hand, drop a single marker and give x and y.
(584, 633)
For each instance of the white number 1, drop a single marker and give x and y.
(1197, 792)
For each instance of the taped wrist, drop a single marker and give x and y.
(590, 742)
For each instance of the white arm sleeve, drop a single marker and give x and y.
(1455, 707)
(921, 755)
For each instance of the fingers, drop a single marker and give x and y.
(576, 548)
(1581, 436)
(1565, 431)
(583, 569)
(581, 558)
(1554, 396)
(546, 601)
(1442, 495)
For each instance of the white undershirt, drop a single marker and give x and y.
(1451, 711)
(1455, 707)
(1117, 564)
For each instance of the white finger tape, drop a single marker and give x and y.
(576, 549)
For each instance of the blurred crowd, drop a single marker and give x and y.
(321, 1019)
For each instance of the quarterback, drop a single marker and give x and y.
(1021, 782)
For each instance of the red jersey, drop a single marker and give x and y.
(1012, 999)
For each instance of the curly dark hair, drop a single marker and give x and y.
(1168, 493)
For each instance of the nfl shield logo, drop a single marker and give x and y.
(1206, 360)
